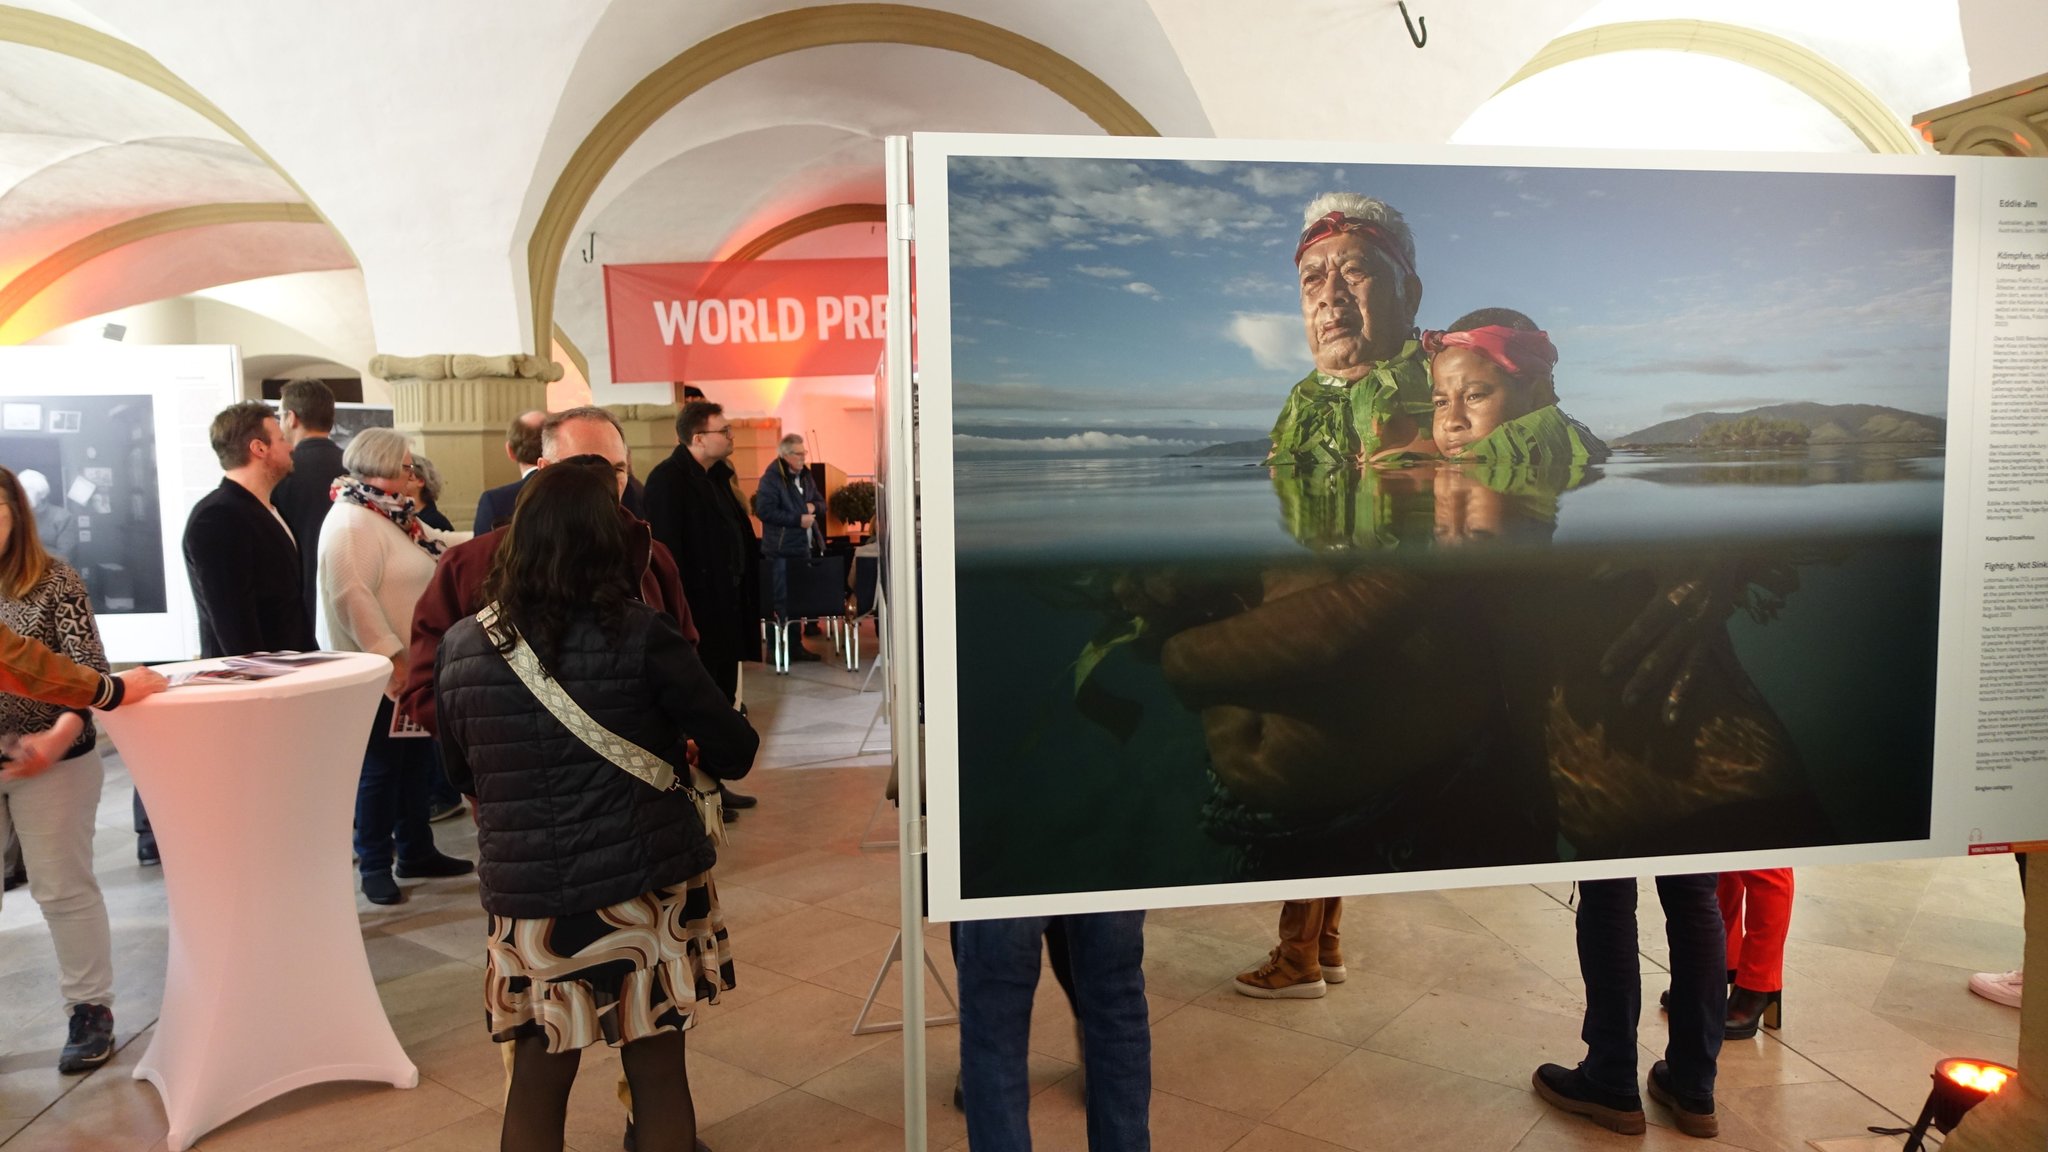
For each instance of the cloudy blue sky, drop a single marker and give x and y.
(1147, 306)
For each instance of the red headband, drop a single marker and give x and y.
(1516, 351)
(1336, 223)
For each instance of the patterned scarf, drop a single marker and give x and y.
(400, 510)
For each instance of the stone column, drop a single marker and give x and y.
(650, 433)
(2009, 121)
(455, 410)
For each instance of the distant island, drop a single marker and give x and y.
(1234, 450)
(1791, 425)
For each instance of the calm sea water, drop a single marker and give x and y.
(1119, 510)
(1106, 787)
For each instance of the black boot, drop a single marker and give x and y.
(1748, 1011)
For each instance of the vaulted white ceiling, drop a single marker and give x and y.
(432, 137)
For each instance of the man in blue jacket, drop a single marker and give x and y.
(792, 516)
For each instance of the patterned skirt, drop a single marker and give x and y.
(621, 973)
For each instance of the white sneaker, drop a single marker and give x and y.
(1998, 987)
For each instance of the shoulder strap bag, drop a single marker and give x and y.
(636, 761)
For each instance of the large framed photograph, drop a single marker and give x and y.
(1307, 520)
(109, 443)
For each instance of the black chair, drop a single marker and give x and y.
(867, 573)
(817, 591)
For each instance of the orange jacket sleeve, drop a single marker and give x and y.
(27, 668)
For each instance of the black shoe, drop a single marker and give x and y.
(1695, 1115)
(380, 888)
(1566, 1088)
(91, 1041)
(732, 799)
(439, 864)
(798, 654)
(1747, 1011)
(16, 877)
(959, 1095)
(146, 853)
(446, 812)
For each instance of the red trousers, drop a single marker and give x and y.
(1757, 908)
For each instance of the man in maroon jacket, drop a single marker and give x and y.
(457, 588)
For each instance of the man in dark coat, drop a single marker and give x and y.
(698, 517)
(306, 413)
(239, 552)
(241, 558)
(792, 516)
(522, 444)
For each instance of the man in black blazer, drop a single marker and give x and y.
(522, 444)
(240, 557)
(306, 413)
(239, 554)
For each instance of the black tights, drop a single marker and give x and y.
(537, 1108)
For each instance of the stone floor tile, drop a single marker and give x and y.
(796, 1119)
(790, 1036)
(1349, 1014)
(1267, 1066)
(809, 942)
(1791, 1115)
(1415, 1108)
(1959, 942)
(1483, 1039)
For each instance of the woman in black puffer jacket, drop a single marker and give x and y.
(604, 920)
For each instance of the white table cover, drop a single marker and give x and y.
(251, 789)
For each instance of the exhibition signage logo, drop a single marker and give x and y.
(745, 320)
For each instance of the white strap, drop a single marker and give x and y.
(645, 765)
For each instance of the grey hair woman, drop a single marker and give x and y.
(376, 558)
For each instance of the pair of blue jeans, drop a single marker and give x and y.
(1614, 982)
(391, 798)
(998, 962)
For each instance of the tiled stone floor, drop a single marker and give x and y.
(1454, 998)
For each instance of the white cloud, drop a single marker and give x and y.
(1274, 339)
(1140, 288)
(1102, 271)
(1279, 181)
(1027, 280)
(1209, 167)
(1006, 208)
(1078, 442)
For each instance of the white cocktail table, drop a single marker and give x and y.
(251, 789)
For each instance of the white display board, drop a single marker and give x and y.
(119, 434)
(1791, 611)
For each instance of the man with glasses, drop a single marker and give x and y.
(695, 509)
(788, 505)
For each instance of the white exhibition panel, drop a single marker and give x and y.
(268, 988)
(184, 386)
(1977, 495)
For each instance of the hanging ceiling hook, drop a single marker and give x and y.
(1418, 28)
(589, 251)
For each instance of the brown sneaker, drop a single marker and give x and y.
(1333, 969)
(1279, 979)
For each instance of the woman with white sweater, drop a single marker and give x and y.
(376, 557)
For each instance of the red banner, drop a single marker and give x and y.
(745, 320)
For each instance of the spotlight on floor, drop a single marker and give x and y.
(1959, 1085)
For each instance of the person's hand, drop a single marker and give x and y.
(1668, 644)
(1310, 701)
(32, 755)
(140, 684)
(396, 684)
(807, 519)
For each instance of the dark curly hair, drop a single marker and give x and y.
(564, 554)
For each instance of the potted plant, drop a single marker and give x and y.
(853, 503)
